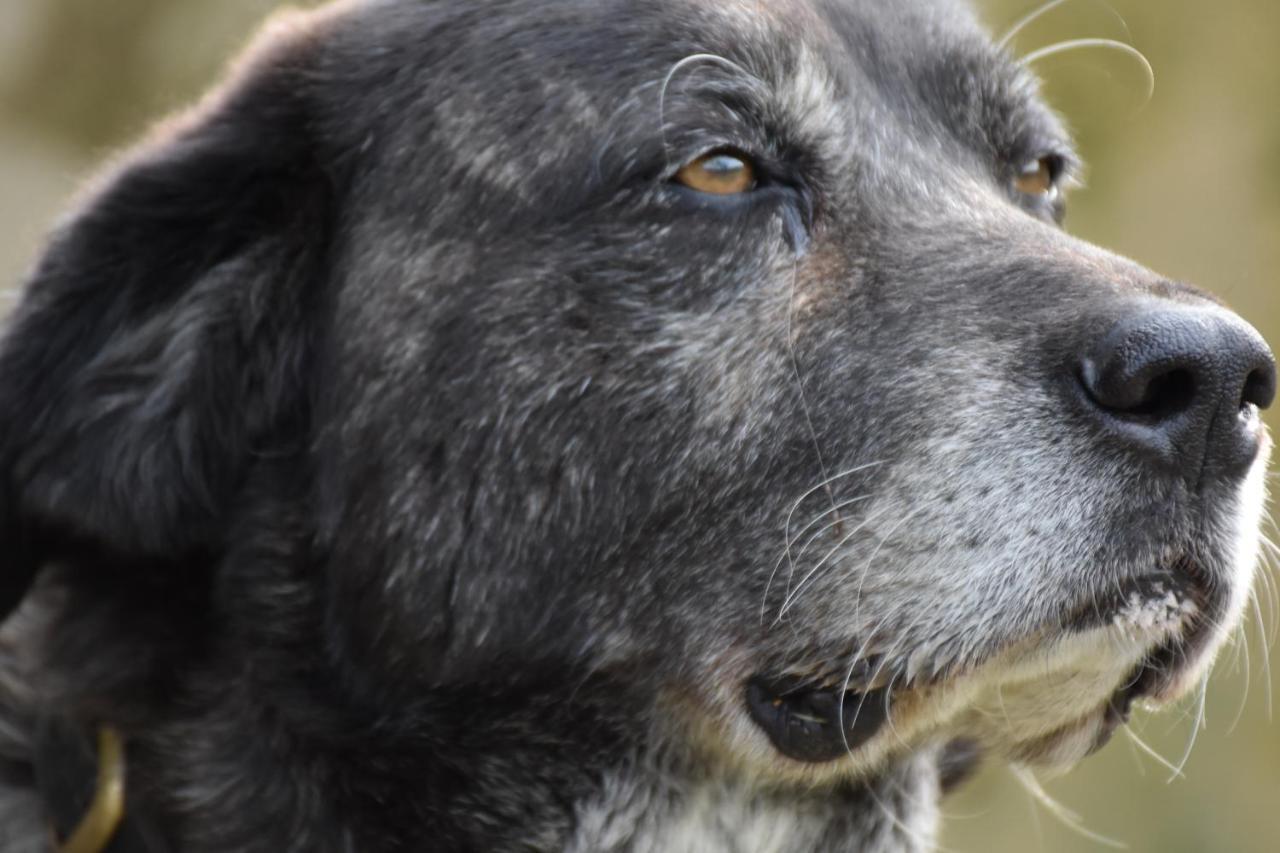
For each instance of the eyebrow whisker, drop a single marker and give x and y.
(1107, 44)
(692, 59)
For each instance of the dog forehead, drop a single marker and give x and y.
(915, 21)
(543, 103)
(605, 46)
(830, 63)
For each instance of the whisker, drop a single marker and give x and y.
(1027, 20)
(795, 367)
(1195, 729)
(825, 527)
(786, 528)
(1242, 638)
(888, 715)
(1151, 753)
(822, 484)
(888, 813)
(1268, 556)
(692, 59)
(1004, 711)
(1137, 758)
(1064, 815)
(791, 558)
(1044, 9)
(1106, 44)
(862, 577)
(862, 697)
(786, 604)
(921, 841)
(1266, 652)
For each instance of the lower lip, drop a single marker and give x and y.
(1160, 671)
(815, 726)
(1147, 593)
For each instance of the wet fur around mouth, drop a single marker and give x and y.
(405, 453)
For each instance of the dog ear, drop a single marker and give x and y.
(160, 342)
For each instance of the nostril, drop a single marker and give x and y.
(1166, 395)
(1170, 382)
(1153, 394)
(1259, 388)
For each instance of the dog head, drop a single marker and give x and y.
(731, 348)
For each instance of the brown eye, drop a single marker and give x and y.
(1037, 178)
(718, 173)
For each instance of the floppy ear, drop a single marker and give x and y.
(160, 342)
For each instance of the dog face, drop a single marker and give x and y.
(731, 348)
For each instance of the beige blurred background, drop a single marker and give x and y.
(1188, 183)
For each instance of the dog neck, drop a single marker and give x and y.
(893, 813)
(574, 772)
(523, 763)
(590, 765)
(567, 778)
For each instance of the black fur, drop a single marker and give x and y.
(397, 455)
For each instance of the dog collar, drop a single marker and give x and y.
(82, 781)
(105, 814)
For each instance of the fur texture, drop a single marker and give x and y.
(404, 460)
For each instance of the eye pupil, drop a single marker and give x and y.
(718, 173)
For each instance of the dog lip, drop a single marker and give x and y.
(1115, 714)
(1163, 667)
(813, 724)
(1145, 679)
(1187, 582)
(1182, 581)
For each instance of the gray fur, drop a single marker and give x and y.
(418, 467)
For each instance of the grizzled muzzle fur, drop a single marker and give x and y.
(602, 425)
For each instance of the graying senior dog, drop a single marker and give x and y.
(601, 425)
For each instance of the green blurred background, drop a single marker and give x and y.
(1188, 183)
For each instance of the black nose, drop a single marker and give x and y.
(1184, 383)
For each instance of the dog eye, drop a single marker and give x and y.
(719, 173)
(1038, 178)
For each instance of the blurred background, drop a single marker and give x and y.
(1187, 181)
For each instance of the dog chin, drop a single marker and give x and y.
(1063, 701)
(1054, 702)
(1059, 745)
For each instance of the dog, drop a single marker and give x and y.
(599, 425)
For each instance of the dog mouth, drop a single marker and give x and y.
(1179, 603)
(1162, 599)
(815, 723)
(1182, 601)
(1171, 609)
